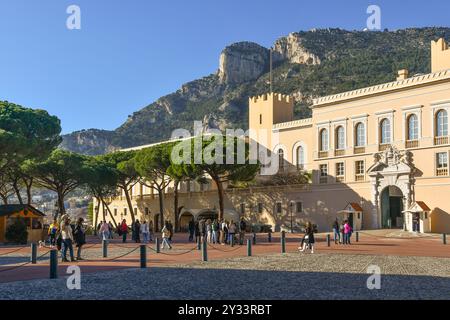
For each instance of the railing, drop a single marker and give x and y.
(340, 178)
(383, 146)
(412, 144)
(323, 154)
(339, 152)
(440, 140)
(323, 180)
(359, 150)
(441, 172)
(359, 177)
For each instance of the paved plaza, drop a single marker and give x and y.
(411, 267)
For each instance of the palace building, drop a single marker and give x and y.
(378, 156)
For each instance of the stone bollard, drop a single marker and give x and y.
(283, 242)
(444, 238)
(204, 251)
(143, 256)
(249, 248)
(269, 237)
(158, 246)
(105, 248)
(33, 253)
(254, 238)
(328, 240)
(53, 264)
(357, 236)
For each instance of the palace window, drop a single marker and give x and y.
(281, 159)
(323, 140)
(340, 138)
(442, 164)
(413, 128)
(323, 173)
(360, 135)
(260, 207)
(279, 207)
(299, 207)
(242, 208)
(385, 131)
(135, 212)
(115, 211)
(146, 211)
(340, 171)
(441, 123)
(300, 158)
(359, 171)
(124, 211)
(260, 119)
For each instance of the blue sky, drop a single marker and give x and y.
(129, 53)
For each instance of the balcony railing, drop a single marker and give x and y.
(340, 178)
(440, 172)
(323, 154)
(411, 144)
(383, 146)
(359, 177)
(323, 180)
(440, 140)
(359, 150)
(339, 152)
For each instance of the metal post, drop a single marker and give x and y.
(33, 253)
(328, 240)
(204, 251)
(143, 256)
(269, 237)
(54, 264)
(254, 238)
(444, 238)
(158, 246)
(105, 248)
(283, 242)
(249, 248)
(357, 236)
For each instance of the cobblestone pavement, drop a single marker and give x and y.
(288, 276)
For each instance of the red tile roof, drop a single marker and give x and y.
(423, 206)
(356, 206)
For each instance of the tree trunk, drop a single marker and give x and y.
(61, 208)
(17, 191)
(97, 209)
(220, 193)
(161, 207)
(130, 205)
(109, 211)
(175, 203)
(28, 185)
(5, 199)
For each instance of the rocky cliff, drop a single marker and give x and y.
(307, 64)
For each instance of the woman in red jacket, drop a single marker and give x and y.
(124, 230)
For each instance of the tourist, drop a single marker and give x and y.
(104, 230)
(165, 234)
(242, 229)
(215, 230)
(336, 231)
(342, 232)
(347, 232)
(52, 231)
(150, 231)
(191, 228)
(197, 232)
(79, 237)
(224, 229)
(208, 231)
(111, 230)
(202, 229)
(309, 240)
(170, 227)
(137, 231)
(124, 230)
(144, 231)
(231, 232)
(67, 240)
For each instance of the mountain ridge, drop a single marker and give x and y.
(307, 65)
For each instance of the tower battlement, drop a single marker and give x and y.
(440, 56)
(271, 96)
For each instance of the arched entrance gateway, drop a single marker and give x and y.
(392, 180)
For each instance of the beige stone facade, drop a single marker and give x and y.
(384, 148)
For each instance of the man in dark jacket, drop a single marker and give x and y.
(202, 229)
(137, 231)
(191, 230)
(242, 229)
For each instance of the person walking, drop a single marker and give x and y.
(165, 234)
(341, 229)
(170, 227)
(52, 231)
(197, 232)
(191, 228)
(144, 231)
(242, 229)
(124, 230)
(208, 231)
(111, 230)
(104, 231)
(336, 231)
(347, 232)
(214, 231)
(202, 229)
(67, 240)
(231, 232)
(137, 231)
(150, 231)
(224, 229)
(79, 237)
